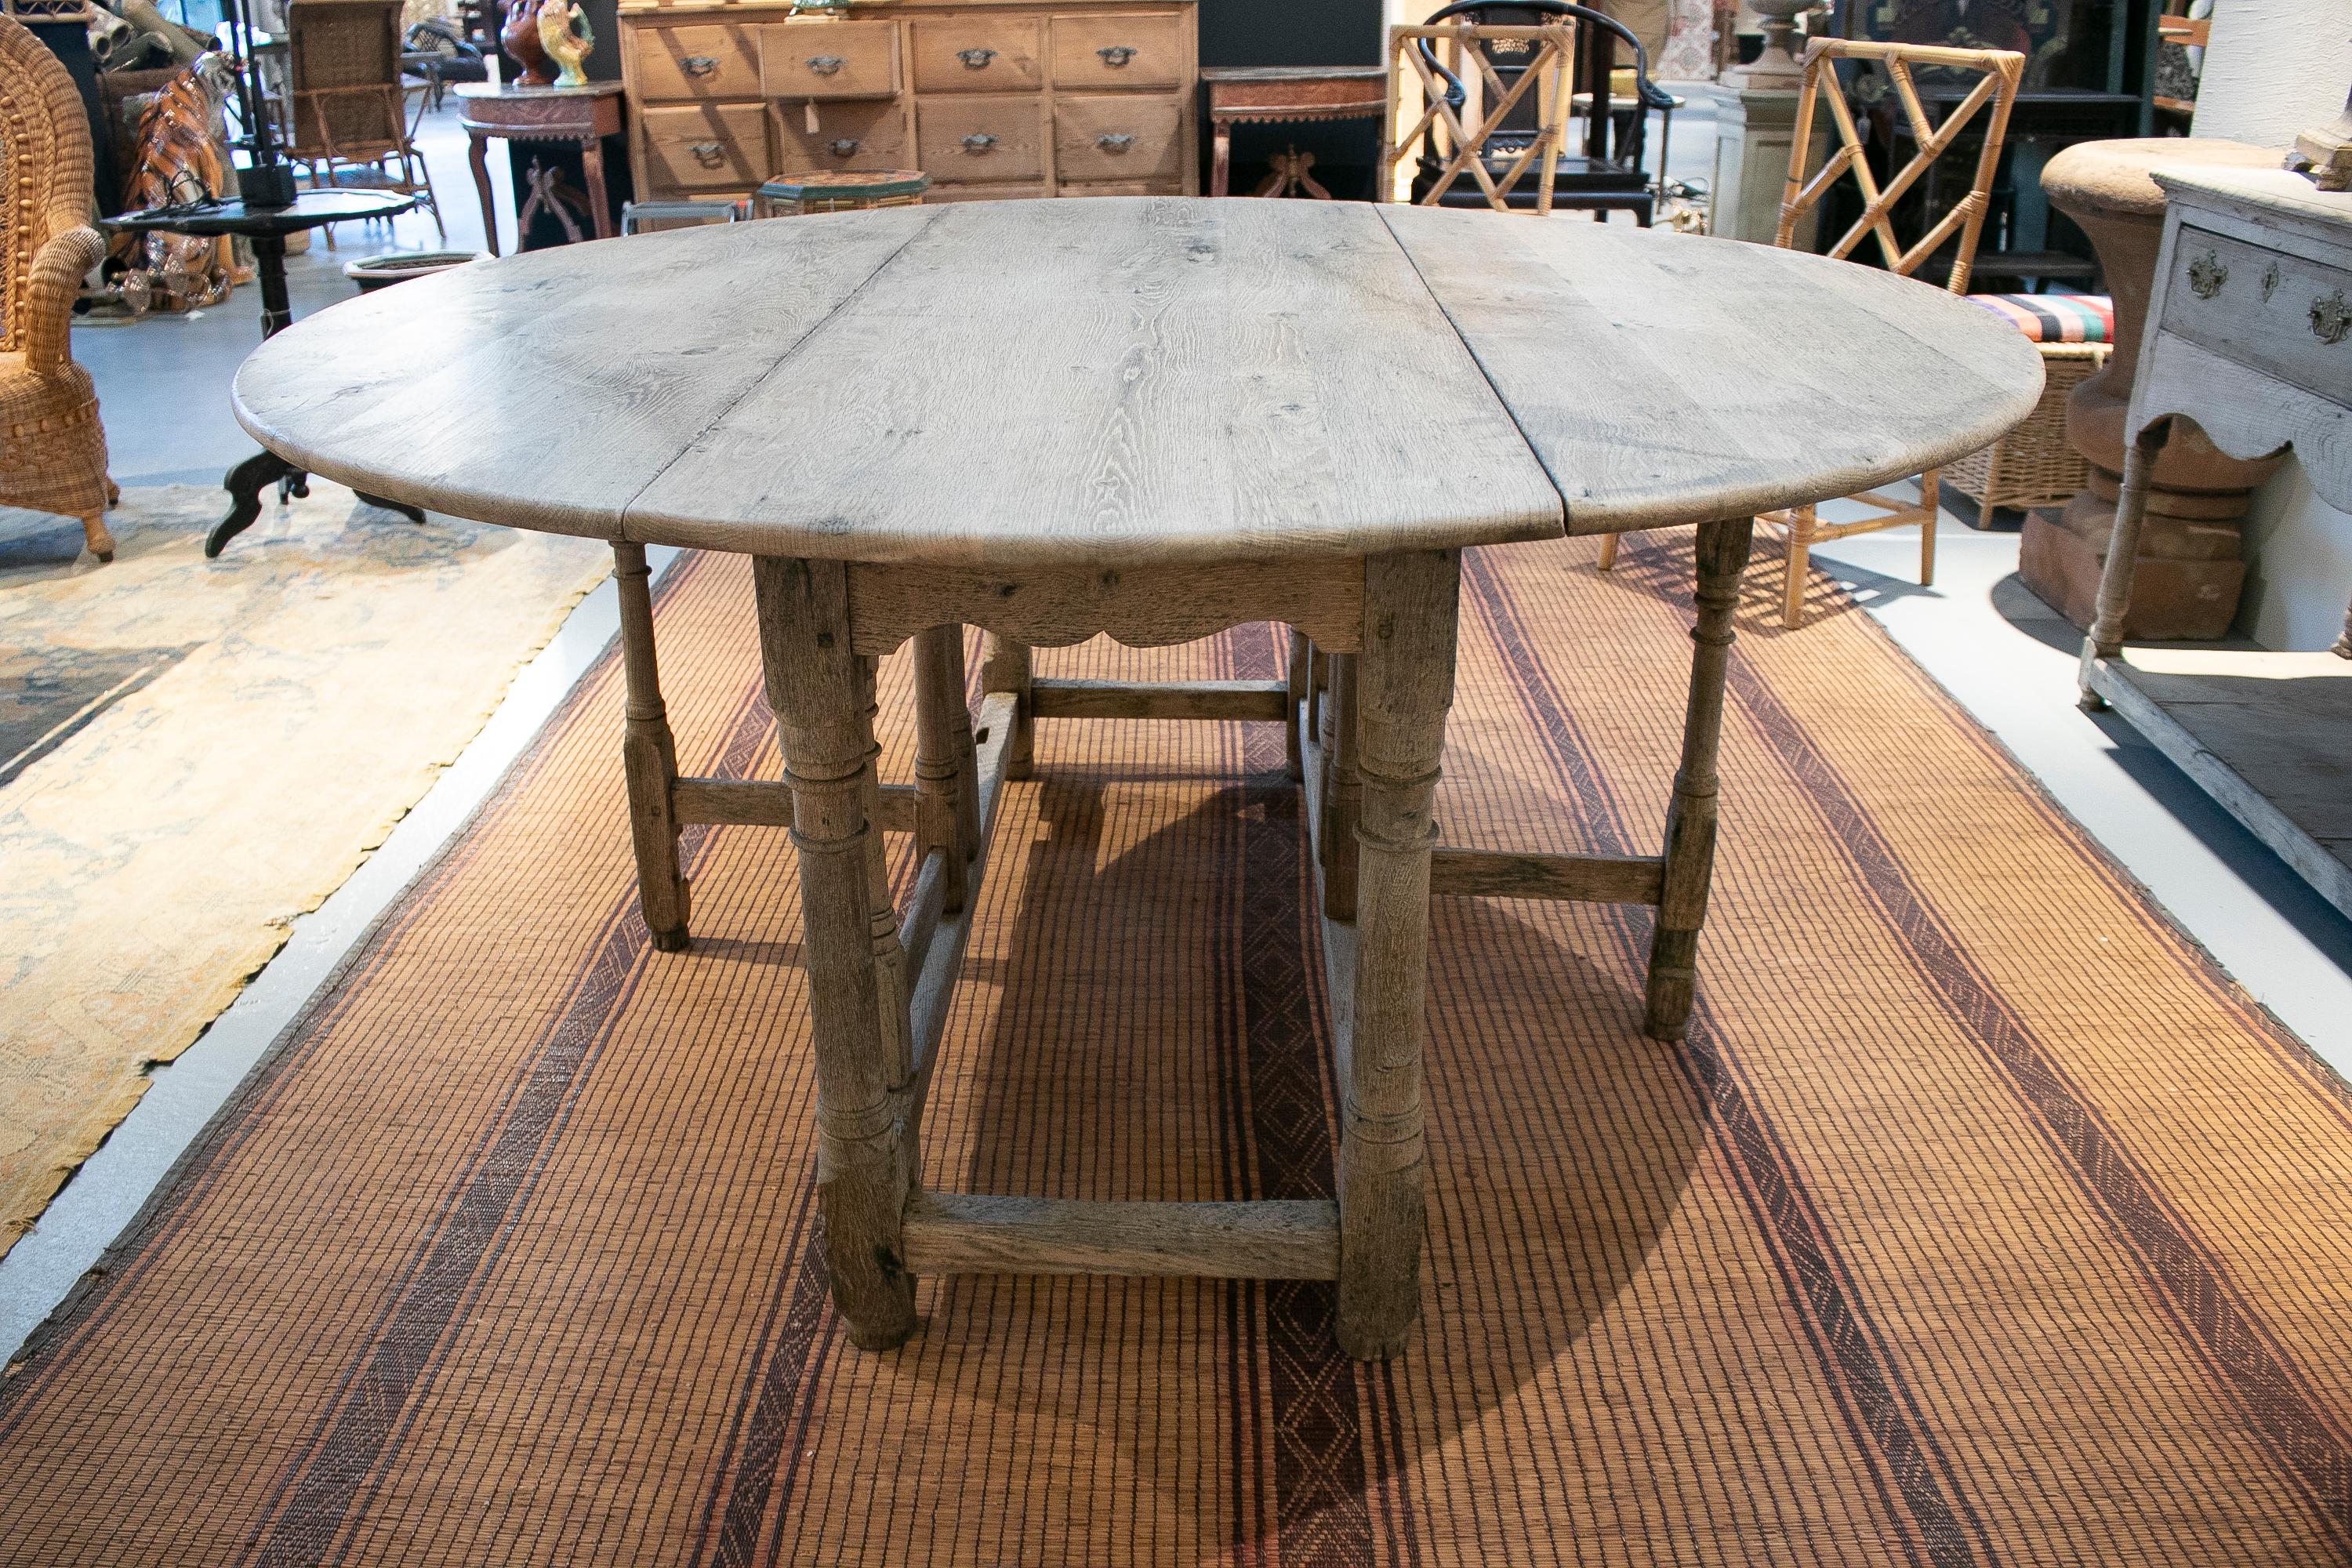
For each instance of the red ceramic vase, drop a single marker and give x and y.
(521, 36)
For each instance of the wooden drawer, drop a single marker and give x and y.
(688, 64)
(2258, 308)
(1117, 136)
(977, 54)
(1124, 188)
(829, 59)
(939, 194)
(706, 147)
(862, 135)
(1146, 50)
(966, 138)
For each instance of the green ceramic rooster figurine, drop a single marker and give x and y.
(565, 35)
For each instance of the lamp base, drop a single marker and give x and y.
(267, 185)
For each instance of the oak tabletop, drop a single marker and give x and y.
(1124, 381)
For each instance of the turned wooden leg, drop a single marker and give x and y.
(939, 706)
(967, 753)
(1608, 560)
(1004, 667)
(1298, 671)
(94, 534)
(1931, 487)
(822, 696)
(1799, 565)
(1691, 816)
(2107, 636)
(1400, 689)
(1343, 803)
(649, 759)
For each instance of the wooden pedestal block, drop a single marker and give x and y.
(2174, 596)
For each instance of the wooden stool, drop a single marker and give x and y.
(839, 191)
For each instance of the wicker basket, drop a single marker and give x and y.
(2033, 465)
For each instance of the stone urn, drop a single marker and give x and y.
(2190, 564)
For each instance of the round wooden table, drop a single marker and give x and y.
(1155, 418)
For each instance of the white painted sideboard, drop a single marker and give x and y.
(2249, 334)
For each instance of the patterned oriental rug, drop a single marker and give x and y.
(193, 753)
(1980, 1221)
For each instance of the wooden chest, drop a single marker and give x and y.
(989, 98)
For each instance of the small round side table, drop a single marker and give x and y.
(839, 190)
(267, 228)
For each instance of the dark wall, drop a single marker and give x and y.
(1295, 33)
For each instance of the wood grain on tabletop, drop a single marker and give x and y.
(1131, 381)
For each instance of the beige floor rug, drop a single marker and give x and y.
(193, 753)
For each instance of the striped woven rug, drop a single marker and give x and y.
(1980, 1221)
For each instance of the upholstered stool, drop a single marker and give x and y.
(2034, 465)
(839, 190)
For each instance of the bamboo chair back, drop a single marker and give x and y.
(1429, 66)
(2000, 71)
(1995, 92)
(348, 104)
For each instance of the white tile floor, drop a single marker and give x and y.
(2004, 654)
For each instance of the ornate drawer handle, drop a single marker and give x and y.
(710, 154)
(2205, 276)
(1116, 55)
(975, 59)
(2331, 318)
(826, 65)
(979, 141)
(843, 147)
(1115, 142)
(698, 66)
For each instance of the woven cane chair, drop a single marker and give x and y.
(349, 104)
(1480, 103)
(1999, 72)
(52, 448)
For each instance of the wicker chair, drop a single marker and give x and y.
(52, 449)
(349, 109)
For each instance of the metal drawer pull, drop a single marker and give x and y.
(710, 154)
(979, 141)
(826, 65)
(844, 146)
(2331, 318)
(2205, 276)
(1116, 55)
(974, 60)
(1115, 142)
(699, 65)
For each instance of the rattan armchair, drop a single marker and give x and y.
(349, 112)
(52, 449)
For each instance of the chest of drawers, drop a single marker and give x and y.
(989, 98)
(2249, 335)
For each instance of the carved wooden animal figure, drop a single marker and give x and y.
(180, 158)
